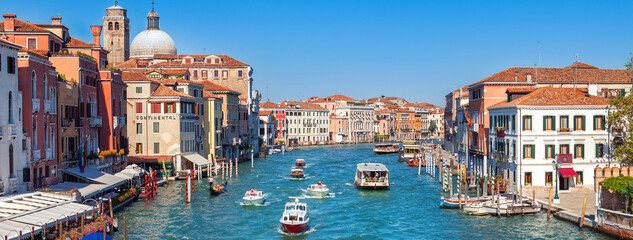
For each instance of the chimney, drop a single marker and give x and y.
(96, 35)
(56, 20)
(529, 78)
(9, 22)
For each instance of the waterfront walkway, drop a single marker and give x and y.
(570, 206)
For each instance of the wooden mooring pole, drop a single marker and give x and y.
(584, 207)
(498, 199)
(124, 228)
(549, 205)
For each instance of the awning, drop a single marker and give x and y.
(87, 190)
(95, 176)
(32, 210)
(568, 172)
(195, 158)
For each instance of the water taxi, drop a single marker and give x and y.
(386, 148)
(409, 150)
(318, 190)
(296, 173)
(300, 162)
(295, 218)
(372, 176)
(253, 197)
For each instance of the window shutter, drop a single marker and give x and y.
(553, 123)
(597, 150)
(623, 92)
(523, 124)
(583, 123)
(524, 150)
(545, 152)
(604, 122)
(575, 123)
(575, 151)
(594, 122)
(544, 123)
(533, 150)
(582, 148)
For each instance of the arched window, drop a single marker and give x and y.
(116, 26)
(10, 107)
(33, 85)
(110, 26)
(11, 167)
(45, 87)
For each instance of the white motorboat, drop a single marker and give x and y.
(318, 190)
(295, 218)
(253, 197)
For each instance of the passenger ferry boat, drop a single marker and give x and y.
(386, 148)
(253, 197)
(295, 218)
(372, 176)
(410, 150)
(296, 173)
(318, 190)
(300, 162)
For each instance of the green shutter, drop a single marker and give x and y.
(583, 123)
(523, 124)
(594, 122)
(575, 124)
(554, 123)
(533, 150)
(575, 151)
(623, 92)
(582, 148)
(597, 150)
(604, 122)
(544, 123)
(524, 150)
(545, 152)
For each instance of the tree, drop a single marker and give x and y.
(621, 121)
(432, 127)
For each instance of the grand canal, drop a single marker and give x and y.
(409, 210)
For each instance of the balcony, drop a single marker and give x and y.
(37, 154)
(474, 128)
(122, 121)
(13, 185)
(49, 153)
(1, 188)
(199, 139)
(115, 122)
(501, 133)
(564, 130)
(36, 104)
(12, 130)
(48, 106)
(95, 121)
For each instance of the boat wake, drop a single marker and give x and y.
(349, 184)
(266, 203)
(310, 229)
(298, 179)
(306, 194)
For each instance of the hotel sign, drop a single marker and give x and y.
(155, 117)
(565, 158)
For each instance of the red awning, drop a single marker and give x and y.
(568, 172)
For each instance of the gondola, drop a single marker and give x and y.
(218, 189)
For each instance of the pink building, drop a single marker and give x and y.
(112, 103)
(279, 113)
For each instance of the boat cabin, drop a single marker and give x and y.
(372, 176)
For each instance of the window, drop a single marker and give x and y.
(204, 74)
(527, 123)
(116, 26)
(31, 43)
(10, 107)
(225, 73)
(564, 149)
(549, 151)
(579, 179)
(47, 171)
(139, 107)
(156, 148)
(155, 107)
(170, 108)
(579, 123)
(195, 73)
(110, 26)
(528, 151)
(11, 65)
(564, 123)
(139, 128)
(239, 73)
(216, 74)
(548, 178)
(139, 89)
(156, 127)
(548, 123)
(139, 148)
(599, 150)
(579, 151)
(598, 123)
(528, 179)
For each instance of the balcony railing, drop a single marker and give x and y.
(474, 128)
(564, 130)
(48, 107)
(13, 185)
(115, 122)
(37, 155)
(13, 130)
(36, 104)
(49, 153)
(95, 121)
(198, 139)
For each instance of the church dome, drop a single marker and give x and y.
(152, 40)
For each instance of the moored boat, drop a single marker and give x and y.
(414, 163)
(253, 197)
(409, 150)
(318, 190)
(373, 176)
(300, 162)
(386, 148)
(295, 218)
(218, 189)
(296, 173)
(454, 201)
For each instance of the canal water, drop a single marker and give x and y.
(409, 210)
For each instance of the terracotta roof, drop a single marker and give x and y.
(300, 105)
(269, 105)
(209, 86)
(10, 43)
(520, 89)
(163, 91)
(134, 63)
(170, 82)
(227, 62)
(76, 43)
(551, 96)
(332, 99)
(264, 113)
(39, 53)
(210, 95)
(579, 73)
(136, 76)
(170, 71)
(22, 26)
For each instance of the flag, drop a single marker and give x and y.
(466, 118)
(81, 164)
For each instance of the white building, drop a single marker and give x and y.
(267, 128)
(529, 133)
(360, 122)
(13, 143)
(307, 123)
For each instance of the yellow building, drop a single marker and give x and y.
(230, 118)
(213, 120)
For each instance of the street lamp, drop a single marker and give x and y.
(556, 165)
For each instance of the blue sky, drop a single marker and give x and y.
(418, 50)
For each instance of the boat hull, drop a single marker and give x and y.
(386, 151)
(296, 175)
(318, 193)
(253, 201)
(294, 228)
(451, 203)
(369, 187)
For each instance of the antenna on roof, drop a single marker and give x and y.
(576, 58)
(539, 59)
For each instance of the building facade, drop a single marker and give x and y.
(116, 36)
(308, 123)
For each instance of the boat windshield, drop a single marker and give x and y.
(375, 176)
(290, 207)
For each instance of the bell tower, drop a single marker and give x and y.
(116, 34)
